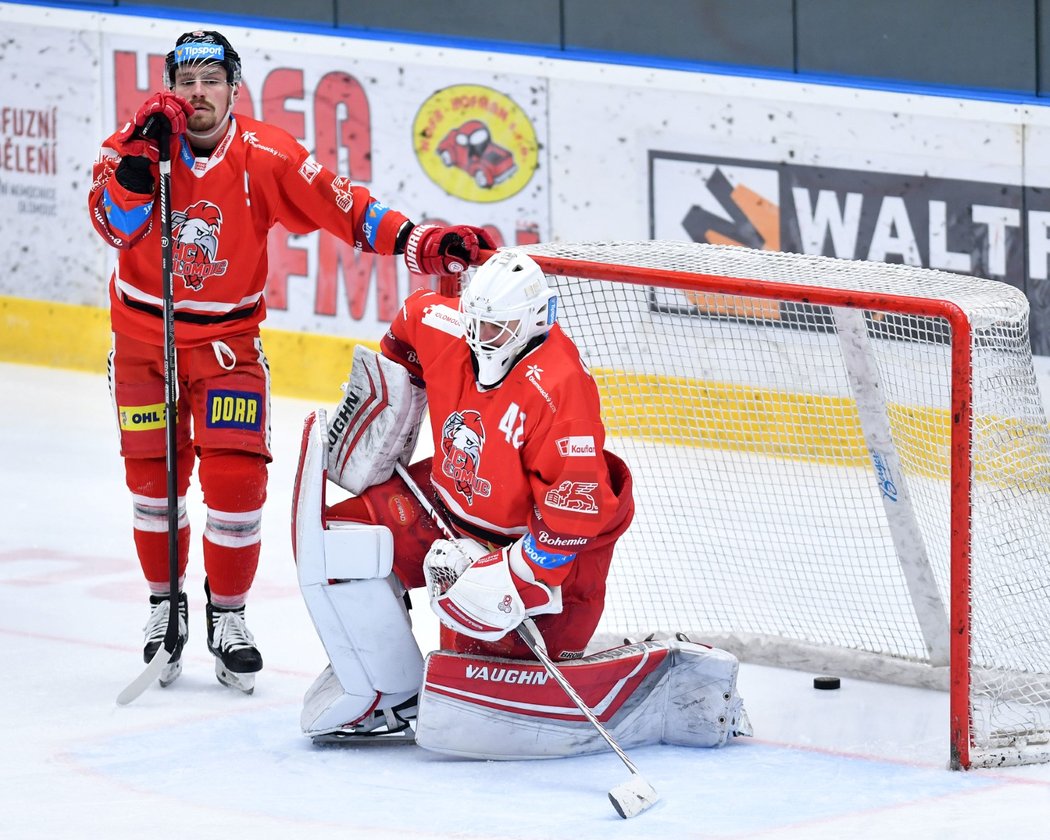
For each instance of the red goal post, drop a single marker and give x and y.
(839, 465)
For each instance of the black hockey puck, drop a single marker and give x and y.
(826, 683)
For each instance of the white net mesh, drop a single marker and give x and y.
(760, 523)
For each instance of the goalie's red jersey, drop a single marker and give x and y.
(527, 456)
(223, 207)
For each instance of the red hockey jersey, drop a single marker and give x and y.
(222, 207)
(526, 457)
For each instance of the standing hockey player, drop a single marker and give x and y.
(233, 178)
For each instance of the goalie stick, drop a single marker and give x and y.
(164, 652)
(629, 798)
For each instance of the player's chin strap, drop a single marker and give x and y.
(629, 798)
(209, 139)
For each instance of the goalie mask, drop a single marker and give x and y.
(506, 310)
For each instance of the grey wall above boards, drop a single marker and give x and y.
(755, 33)
(983, 45)
(1043, 40)
(310, 11)
(972, 43)
(535, 22)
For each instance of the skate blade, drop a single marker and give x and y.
(402, 737)
(242, 682)
(170, 673)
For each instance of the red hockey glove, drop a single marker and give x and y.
(138, 142)
(433, 249)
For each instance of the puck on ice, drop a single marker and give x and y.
(826, 683)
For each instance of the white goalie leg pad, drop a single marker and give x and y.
(377, 423)
(647, 693)
(355, 603)
(703, 706)
(375, 661)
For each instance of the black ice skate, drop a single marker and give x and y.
(383, 726)
(237, 659)
(157, 625)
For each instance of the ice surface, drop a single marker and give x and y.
(200, 760)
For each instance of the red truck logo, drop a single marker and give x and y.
(471, 149)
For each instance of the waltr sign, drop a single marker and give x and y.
(999, 231)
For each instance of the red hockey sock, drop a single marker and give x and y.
(147, 478)
(234, 485)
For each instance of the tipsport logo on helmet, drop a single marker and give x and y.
(199, 52)
(201, 48)
(475, 143)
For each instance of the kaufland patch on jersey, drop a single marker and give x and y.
(234, 410)
(576, 446)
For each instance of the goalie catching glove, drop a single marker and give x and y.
(432, 249)
(485, 594)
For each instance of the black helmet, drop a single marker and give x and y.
(201, 47)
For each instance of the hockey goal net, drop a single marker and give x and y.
(838, 465)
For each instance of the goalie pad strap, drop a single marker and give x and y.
(653, 692)
(376, 424)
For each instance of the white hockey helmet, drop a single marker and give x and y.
(506, 305)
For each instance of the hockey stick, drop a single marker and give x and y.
(630, 798)
(171, 634)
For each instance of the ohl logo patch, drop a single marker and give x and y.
(234, 410)
(195, 244)
(141, 418)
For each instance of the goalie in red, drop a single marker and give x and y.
(521, 473)
(232, 179)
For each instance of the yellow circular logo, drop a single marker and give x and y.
(475, 143)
